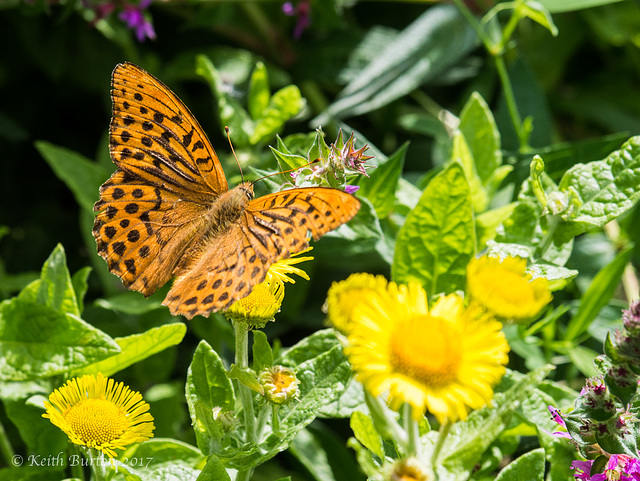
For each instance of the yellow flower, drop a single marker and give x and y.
(503, 288)
(407, 469)
(344, 296)
(265, 299)
(97, 412)
(445, 359)
(260, 306)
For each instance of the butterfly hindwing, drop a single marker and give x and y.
(272, 228)
(140, 230)
(155, 136)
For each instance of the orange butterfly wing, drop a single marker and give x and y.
(272, 228)
(168, 175)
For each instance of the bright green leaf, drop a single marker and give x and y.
(137, 347)
(437, 240)
(262, 353)
(529, 466)
(365, 432)
(537, 12)
(259, 92)
(283, 105)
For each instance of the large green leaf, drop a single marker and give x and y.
(433, 43)
(529, 466)
(437, 240)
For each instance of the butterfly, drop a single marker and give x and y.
(167, 211)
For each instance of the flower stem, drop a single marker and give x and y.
(413, 435)
(552, 222)
(246, 397)
(512, 106)
(385, 424)
(444, 431)
(98, 465)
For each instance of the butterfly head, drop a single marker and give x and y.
(247, 189)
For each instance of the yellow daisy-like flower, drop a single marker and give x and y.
(265, 299)
(344, 296)
(97, 412)
(445, 359)
(504, 288)
(260, 306)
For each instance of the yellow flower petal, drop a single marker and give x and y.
(99, 413)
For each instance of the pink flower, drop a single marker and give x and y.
(303, 12)
(350, 189)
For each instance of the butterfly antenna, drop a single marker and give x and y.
(226, 129)
(286, 171)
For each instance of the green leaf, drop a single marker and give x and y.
(432, 44)
(36, 341)
(460, 153)
(259, 91)
(482, 136)
(557, 6)
(54, 288)
(246, 377)
(231, 113)
(283, 105)
(213, 471)
(137, 347)
(262, 353)
(598, 294)
(469, 439)
(537, 12)
(129, 303)
(207, 388)
(82, 176)
(79, 281)
(529, 466)
(437, 241)
(582, 358)
(557, 276)
(380, 187)
(365, 432)
(606, 189)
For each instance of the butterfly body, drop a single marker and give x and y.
(167, 211)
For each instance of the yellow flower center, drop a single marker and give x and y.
(260, 297)
(506, 285)
(97, 421)
(426, 349)
(282, 381)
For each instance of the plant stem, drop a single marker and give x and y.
(413, 435)
(511, 102)
(444, 432)
(552, 222)
(385, 424)
(246, 397)
(98, 465)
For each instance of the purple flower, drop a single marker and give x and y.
(583, 469)
(555, 414)
(135, 19)
(303, 12)
(350, 189)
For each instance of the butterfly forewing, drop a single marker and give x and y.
(154, 135)
(272, 228)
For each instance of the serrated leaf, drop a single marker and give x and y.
(598, 294)
(82, 176)
(482, 136)
(380, 187)
(469, 439)
(259, 91)
(529, 466)
(437, 240)
(605, 189)
(137, 347)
